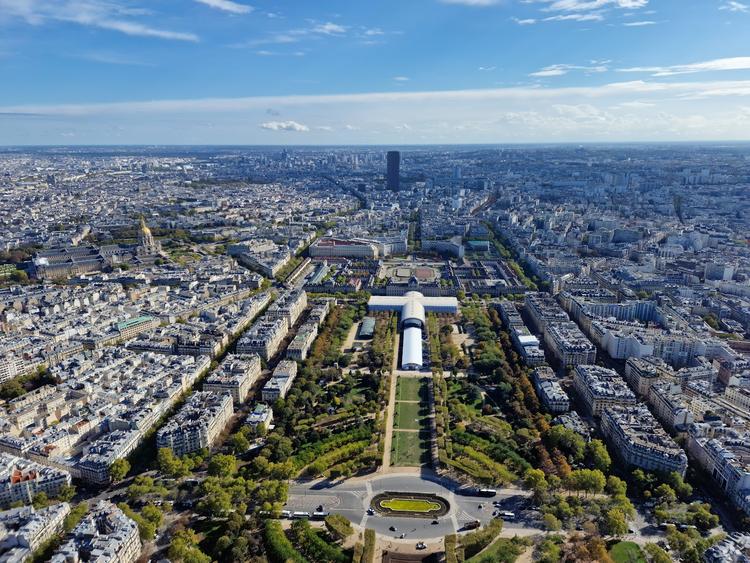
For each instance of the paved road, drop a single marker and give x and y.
(352, 498)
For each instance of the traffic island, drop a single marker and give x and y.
(410, 505)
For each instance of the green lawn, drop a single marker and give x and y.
(504, 550)
(408, 416)
(410, 505)
(627, 552)
(409, 449)
(409, 389)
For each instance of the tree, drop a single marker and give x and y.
(616, 486)
(239, 443)
(118, 469)
(700, 516)
(551, 522)
(681, 488)
(535, 480)
(615, 522)
(656, 554)
(598, 455)
(223, 544)
(567, 440)
(171, 465)
(665, 493)
(40, 500)
(66, 494)
(586, 480)
(184, 547)
(222, 465)
(19, 276)
(153, 514)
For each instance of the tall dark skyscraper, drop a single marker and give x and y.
(394, 165)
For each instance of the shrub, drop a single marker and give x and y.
(278, 546)
(339, 526)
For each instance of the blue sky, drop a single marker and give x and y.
(385, 71)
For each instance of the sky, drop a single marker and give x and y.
(296, 72)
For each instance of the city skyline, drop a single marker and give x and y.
(430, 72)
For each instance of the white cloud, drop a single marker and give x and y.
(487, 68)
(227, 6)
(580, 10)
(111, 59)
(733, 6)
(635, 104)
(284, 126)
(100, 14)
(639, 23)
(592, 17)
(587, 5)
(474, 3)
(329, 28)
(732, 63)
(401, 78)
(514, 94)
(628, 111)
(327, 128)
(562, 69)
(317, 30)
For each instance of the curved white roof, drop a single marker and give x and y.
(411, 354)
(413, 308)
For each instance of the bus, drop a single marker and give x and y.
(300, 515)
(508, 515)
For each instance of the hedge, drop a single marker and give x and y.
(278, 547)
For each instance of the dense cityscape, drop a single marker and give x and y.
(324, 354)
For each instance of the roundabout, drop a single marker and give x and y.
(410, 505)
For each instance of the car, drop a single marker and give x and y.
(435, 522)
(421, 545)
(320, 508)
(370, 512)
(393, 529)
(402, 536)
(480, 507)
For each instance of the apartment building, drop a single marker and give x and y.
(264, 337)
(599, 388)
(235, 376)
(288, 306)
(197, 424)
(104, 534)
(300, 345)
(642, 373)
(21, 480)
(668, 405)
(549, 391)
(638, 439)
(569, 345)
